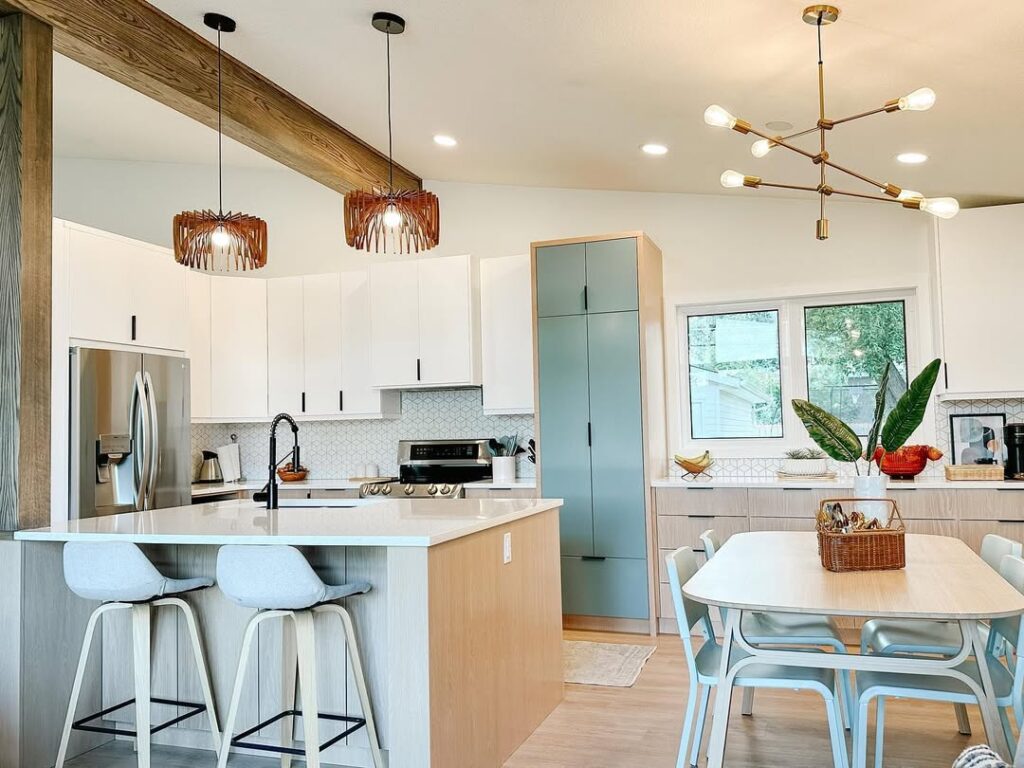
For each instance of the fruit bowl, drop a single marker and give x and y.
(289, 475)
(695, 465)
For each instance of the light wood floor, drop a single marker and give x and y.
(639, 727)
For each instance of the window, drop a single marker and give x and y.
(735, 375)
(741, 365)
(847, 347)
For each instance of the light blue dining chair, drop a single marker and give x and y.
(939, 638)
(1008, 680)
(789, 629)
(703, 668)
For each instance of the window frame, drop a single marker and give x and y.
(792, 362)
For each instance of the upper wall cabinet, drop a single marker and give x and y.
(424, 323)
(198, 347)
(581, 278)
(123, 291)
(506, 348)
(238, 349)
(285, 379)
(980, 273)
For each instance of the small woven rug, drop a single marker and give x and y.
(613, 664)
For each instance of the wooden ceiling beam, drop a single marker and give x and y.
(140, 46)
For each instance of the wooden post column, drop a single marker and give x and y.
(26, 161)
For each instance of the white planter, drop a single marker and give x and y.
(872, 487)
(503, 469)
(805, 466)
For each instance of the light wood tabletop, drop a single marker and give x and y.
(781, 571)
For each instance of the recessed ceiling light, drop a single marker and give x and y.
(654, 149)
(778, 125)
(444, 141)
(911, 158)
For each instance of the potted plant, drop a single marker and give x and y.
(838, 440)
(805, 461)
(503, 457)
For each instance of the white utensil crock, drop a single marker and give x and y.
(503, 469)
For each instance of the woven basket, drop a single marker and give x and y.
(880, 550)
(974, 472)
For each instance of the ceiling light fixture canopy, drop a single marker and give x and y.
(915, 101)
(220, 242)
(407, 219)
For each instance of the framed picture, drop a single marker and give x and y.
(976, 436)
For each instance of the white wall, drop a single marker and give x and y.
(717, 248)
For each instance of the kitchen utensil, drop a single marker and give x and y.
(209, 470)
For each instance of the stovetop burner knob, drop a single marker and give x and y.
(445, 490)
(432, 489)
(409, 490)
(374, 490)
(386, 490)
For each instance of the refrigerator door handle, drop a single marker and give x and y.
(138, 420)
(153, 448)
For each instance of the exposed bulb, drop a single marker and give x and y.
(220, 237)
(943, 207)
(732, 179)
(761, 147)
(909, 194)
(392, 218)
(919, 100)
(718, 117)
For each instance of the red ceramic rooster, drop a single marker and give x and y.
(906, 462)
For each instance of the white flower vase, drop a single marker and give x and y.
(503, 469)
(872, 487)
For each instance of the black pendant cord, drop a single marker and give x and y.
(220, 131)
(391, 162)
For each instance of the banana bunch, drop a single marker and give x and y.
(695, 464)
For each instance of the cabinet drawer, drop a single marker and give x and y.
(790, 502)
(701, 500)
(782, 523)
(334, 493)
(973, 531)
(501, 493)
(925, 503)
(933, 527)
(990, 504)
(613, 586)
(292, 493)
(676, 531)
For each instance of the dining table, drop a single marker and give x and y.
(780, 572)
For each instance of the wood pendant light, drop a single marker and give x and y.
(219, 242)
(409, 220)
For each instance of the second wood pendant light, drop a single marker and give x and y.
(408, 218)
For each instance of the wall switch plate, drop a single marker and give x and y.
(508, 548)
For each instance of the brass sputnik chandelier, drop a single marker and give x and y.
(917, 101)
(410, 218)
(219, 242)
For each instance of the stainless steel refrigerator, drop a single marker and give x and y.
(130, 443)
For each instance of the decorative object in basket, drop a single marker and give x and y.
(907, 462)
(853, 541)
(695, 467)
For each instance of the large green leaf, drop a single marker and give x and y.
(831, 433)
(908, 413)
(876, 425)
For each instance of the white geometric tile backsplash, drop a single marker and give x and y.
(338, 449)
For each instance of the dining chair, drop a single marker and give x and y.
(789, 629)
(703, 668)
(1008, 680)
(941, 638)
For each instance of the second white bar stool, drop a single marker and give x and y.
(280, 583)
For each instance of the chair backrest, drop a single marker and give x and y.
(268, 576)
(995, 547)
(711, 543)
(682, 565)
(115, 571)
(1011, 628)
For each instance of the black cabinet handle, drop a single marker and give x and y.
(591, 557)
(701, 517)
(417, 369)
(341, 400)
(586, 298)
(1015, 522)
(798, 489)
(303, 402)
(698, 488)
(134, 326)
(590, 435)
(1009, 490)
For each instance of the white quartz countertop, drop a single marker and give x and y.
(932, 483)
(338, 484)
(308, 522)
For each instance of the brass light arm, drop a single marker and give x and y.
(787, 186)
(799, 134)
(859, 115)
(781, 142)
(866, 179)
(865, 197)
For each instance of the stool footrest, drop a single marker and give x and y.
(82, 724)
(357, 723)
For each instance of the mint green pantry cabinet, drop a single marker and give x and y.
(600, 417)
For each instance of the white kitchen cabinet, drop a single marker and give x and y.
(506, 335)
(980, 273)
(197, 347)
(361, 398)
(238, 319)
(124, 291)
(424, 323)
(285, 381)
(321, 319)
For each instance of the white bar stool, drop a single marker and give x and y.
(280, 583)
(119, 574)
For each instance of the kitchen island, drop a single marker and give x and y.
(461, 644)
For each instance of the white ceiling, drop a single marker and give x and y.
(563, 93)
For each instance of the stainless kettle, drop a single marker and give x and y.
(209, 471)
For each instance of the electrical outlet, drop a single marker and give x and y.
(508, 548)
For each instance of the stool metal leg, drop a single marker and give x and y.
(360, 678)
(305, 640)
(204, 673)
(76, 689)
(141, 638)
(289, 668)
